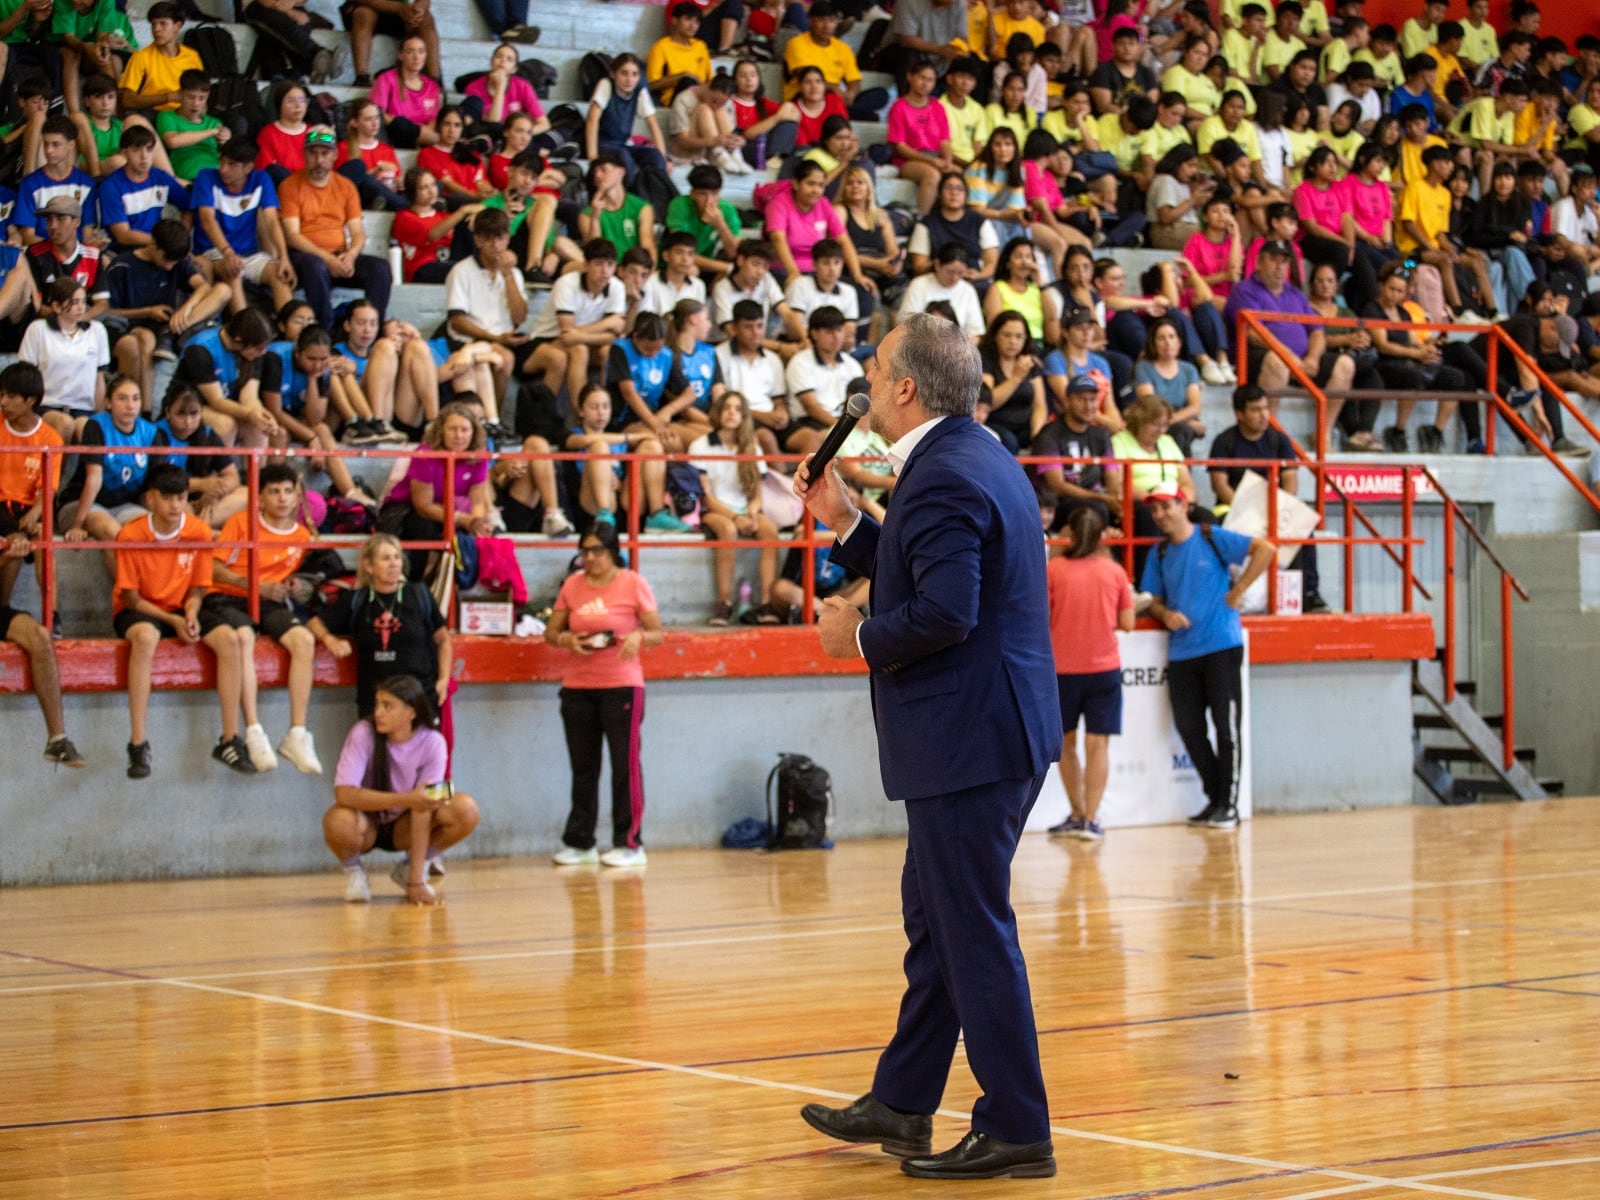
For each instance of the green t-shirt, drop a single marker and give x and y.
(20, 34)
(86, 26)
(188, 161)
(107, 141)
(683, 216)
(498, 200)
(620, 226)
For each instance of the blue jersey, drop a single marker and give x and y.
(10, 256)
(139, 205)
(206, 360)
(235, 211)
(38, 189)
(1192, 577)
(652, 377)
(700, 368)
(620, 446)
(360, 360)
(292, 380)
(8, 204)
(122, 474)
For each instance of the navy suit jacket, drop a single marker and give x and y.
(963, 676)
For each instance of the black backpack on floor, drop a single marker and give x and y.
(804, 798)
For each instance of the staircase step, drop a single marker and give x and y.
(1432, 720)
(1488, 785)
(1466, 754)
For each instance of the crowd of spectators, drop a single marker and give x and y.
(1288, 159)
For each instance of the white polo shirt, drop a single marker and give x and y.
(68, 362)
(963, 298)
(805, 297)
(481, 295)
(724, 296)
(760, 382)
(662, 297)
(831, 383)
(570, 296)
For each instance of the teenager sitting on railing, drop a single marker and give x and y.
(106, 491)
(731, 509)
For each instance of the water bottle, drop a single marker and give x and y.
(746, 594)
(760, 163)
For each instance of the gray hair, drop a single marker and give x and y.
(942, 361)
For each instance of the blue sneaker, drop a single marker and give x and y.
(1071, 827)
(1476, 446)
(1517, 397)
(664, 520)
(1092, 831)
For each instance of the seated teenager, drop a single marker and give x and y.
(301, 384)
(192, 136)
(133, 197)
(59, 178)
(70, 352)
(220, 364)
(104, 494)
(392, 791)
(99, 127)
(819, 380)
(602, 486)
(227, 628)
(215, 492)
(731, 509)
(368, 161)
(238, 236)
(581, 321)
(650, 391)
(751, 279)
(756, 373)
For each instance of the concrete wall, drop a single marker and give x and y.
(708, 745)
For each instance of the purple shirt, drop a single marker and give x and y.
(1252, 294)
(420, 759)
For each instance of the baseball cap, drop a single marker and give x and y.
(61, 206)
(1582, 169)
(1081, 316)
(1082, 383)
(1566, 333)
(1277, 246)
(1166, 489)
(319, 135)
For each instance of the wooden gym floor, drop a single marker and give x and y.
(1381, 1004)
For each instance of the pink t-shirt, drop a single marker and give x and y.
(1039, 184)
(1105, 31)
(419, 107)
(1086, 594)
(1208, 258)
(1325, 207)
(1372, 204)
(923, 129)
(615, 608)
(520, 97)
(804, 230)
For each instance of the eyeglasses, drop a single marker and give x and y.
(592, 550)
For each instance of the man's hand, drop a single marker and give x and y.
(188, 628)
(276, 592)
(828, 501)
(837, 624)
(16, 546)
(286, 275)
(1175, 620)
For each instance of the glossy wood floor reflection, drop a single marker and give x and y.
(1382, 1005)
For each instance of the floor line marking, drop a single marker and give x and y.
(803, 1089)
(1527, 1166)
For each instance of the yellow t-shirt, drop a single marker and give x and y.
(1198, 92)
(1528, 124)
(1428, 206)
(1055, 124)
(1411, 157)
(1314, 20)
(1449, 68)
(152, 72)
(1414, 39)
(836, 61)
(1478, 122)
(978, 27)
(1020, 123)
(1276, 52)
(1231, 9)
(1212, 131)
(1301, 144)
(1580, 119)
(969, 128)
(1388, 69)
(1158, 139)
(667, 58)
(1234, 84)
(1126, 148)
(1237, 49)
(1346, 146)
(1004, 27)
(1479, 43)
(1335, 58)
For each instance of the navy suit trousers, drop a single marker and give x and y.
(964, 968)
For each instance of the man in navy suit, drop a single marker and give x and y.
(964, 698)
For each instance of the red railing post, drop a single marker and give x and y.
(252, 567)
(808, 567)
(1273, 471)
(1242, 341)
(1128, 522)
(635, 506)
(1349, 556)
(1406, 550)
(1495, 334)
(1508, 726)
(1449, 600)
(45, 560)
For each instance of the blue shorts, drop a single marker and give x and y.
(1096, 698)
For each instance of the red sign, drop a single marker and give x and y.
(1369, 485)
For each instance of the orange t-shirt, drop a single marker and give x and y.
(323, 212)
(21, 474)
(279, 557)
(1086, 594)
(163, 577)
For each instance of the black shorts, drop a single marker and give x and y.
(1096, 698)
(8, 615)
(798, 425)
(521, 354)
(128, 618)
(217, 610)
(11, 514)
(385, 838)
(388, 25)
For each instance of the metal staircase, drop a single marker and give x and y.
(1459, 753)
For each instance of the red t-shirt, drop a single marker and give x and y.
(1086, 594)
(811, 127)
(615, 608)
(410, 233)
(443, 166)
(752, 112)
(273, 145)
(379, 158)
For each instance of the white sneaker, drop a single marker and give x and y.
(260, 749)
(297, 747)
(1141, 603)
(731, 163)
(1228, 373)
(356, 888)
(623, 856)
(556, 524)
(1213, 375)
(571, 856)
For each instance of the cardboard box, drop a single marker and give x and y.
(493, 617)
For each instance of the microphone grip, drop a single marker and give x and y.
(855, 408)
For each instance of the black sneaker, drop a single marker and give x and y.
(721, 614)
(1394, 440)
(1225, 816)
(537, 278)
(166, 348)
(1203, 817)
(1314, 603)
(524, 35)
(1430, 440)
(362, 81)
(63, 753)
(139, 760)
(231, 753)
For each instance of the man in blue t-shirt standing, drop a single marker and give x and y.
(1195, 596)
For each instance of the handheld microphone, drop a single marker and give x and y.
(855, 407)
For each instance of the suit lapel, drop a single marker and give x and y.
(943, 429)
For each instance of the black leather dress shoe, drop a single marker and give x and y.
(870, 1120)
(979, 1156)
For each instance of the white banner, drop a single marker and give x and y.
(1152, 782)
